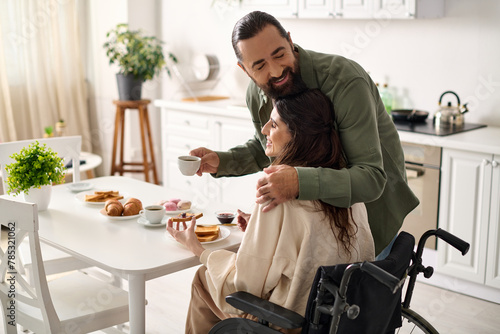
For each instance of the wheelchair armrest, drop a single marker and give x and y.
(265, 310)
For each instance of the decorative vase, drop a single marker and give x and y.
(60, 129)
(129, 88)
(40, 196)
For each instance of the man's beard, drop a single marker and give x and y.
(294, 85)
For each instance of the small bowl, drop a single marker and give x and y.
(225, 216)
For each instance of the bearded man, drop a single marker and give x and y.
(375, 174)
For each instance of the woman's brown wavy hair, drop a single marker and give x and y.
(310, 117)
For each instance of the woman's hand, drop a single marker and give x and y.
(186, 237)
(242, 220)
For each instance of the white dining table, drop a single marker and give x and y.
(130, 250)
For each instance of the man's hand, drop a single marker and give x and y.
(278, 185)
(209, 160)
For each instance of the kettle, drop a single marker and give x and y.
(449, 116)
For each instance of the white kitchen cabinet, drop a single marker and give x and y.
(353, 9)
(469, 208)
(493, 261)
(408, 9)
(316, 9)
(230, 132)
(349, 9)
(186, 126)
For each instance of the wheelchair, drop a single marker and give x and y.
(349, 298)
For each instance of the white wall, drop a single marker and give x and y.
(420, 58)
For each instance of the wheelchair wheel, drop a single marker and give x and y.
(413, 323)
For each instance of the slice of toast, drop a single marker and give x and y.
(103, 196)
(206, 233)
(205, 238)
(202, 230)
(187, 217)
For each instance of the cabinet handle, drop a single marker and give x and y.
(335, 14)
(486, 162)
(494, 163)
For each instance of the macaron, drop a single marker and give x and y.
(175, 200)
(170, 206)
(184, 205)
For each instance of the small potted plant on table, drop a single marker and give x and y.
(139, 57)
(33, 172)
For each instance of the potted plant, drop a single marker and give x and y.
(34, 170)
(48, 132)
(140, 58)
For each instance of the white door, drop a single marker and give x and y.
(354, 9)
(493, 264)
(464, 212)
(395, 9)
(239, 190)
(316, 9)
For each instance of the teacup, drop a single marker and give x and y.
(153, 213)
(188, 164)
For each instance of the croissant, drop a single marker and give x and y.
(132, 207)
(113, 207)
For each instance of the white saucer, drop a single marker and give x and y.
(145, 222)
(80, 186)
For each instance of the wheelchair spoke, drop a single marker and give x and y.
(413, 323)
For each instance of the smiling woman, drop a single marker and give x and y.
(41, 71)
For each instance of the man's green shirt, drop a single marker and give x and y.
(376, 172)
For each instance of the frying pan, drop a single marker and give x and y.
(409, 115)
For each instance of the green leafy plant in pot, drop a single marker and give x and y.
(140, 58)
(33, 172)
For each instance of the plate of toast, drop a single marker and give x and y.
(99, 197)
(208, 234)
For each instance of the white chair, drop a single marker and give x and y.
(73, 303)
(67, 147)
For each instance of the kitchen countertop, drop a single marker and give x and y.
(484, 140)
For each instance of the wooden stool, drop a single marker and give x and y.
(120, 167)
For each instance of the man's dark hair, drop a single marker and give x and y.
(250, 25)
